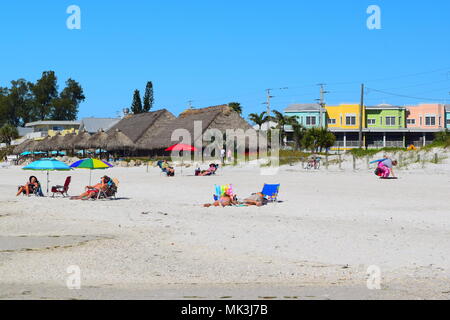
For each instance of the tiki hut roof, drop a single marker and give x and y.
(50, 143)
(217, 117)
(80, 140)
(67, 141)
(24, 146)
(98, 140)
(136, 126)
(118, 141)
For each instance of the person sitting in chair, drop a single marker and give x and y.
(165, 167)
(93, 191)
(30, 187)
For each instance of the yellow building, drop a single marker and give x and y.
(345, 116)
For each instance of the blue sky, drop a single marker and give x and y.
(215, 52)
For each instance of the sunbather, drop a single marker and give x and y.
(256, 199)
(224, 201)
(92, 191)
(30, 187)
(165, 167)
(210, 171)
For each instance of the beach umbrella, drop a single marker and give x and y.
(91, 164)
(47, 164)
(51, 143)
(181, 147)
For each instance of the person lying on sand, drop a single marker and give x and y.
(29, 187)
(92, 191)
(210, 171)
(256, 199)
(224, 201)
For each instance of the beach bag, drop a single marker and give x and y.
(378, 172)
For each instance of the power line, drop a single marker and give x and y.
(403, 95)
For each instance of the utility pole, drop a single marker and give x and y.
(268, 102)
(361, 117)
(322, 102)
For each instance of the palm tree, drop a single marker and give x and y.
(235, 106)
(317, 139)
(8, 133)
(258, 119)
(283, 121)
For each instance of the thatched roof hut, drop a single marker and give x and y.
(138, 125)
(118, 141)
(50, 143)
(67, 141)
(27, 145)
(98, 140)
(217, 117)
(80, 140)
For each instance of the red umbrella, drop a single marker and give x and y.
(181, 147)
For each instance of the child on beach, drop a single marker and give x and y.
(386, 168)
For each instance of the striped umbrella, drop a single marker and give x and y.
(91, 164)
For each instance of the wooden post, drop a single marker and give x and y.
(354, 163)
(339, 160)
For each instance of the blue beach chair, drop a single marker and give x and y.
(270, 192)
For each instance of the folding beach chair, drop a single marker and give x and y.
(110, 191)
(270, 192)
(62, 189)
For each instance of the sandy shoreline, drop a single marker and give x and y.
(157, 241)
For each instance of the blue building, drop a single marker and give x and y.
(308, 115)
(447, 116)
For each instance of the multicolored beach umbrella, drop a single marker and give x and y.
(47, 164)
(91, 164)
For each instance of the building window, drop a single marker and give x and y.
(390, 121)
(430, 121)
(350, 120)
(411, 121)
(331, 121)
(371, 122)
(448, 122)
(310, 121)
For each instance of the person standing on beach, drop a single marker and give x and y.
(222, 155)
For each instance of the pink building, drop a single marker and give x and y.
(426, 116)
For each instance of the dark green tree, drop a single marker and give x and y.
(65, 107)
(148, 97)
(20, 101)
(235, 106)
(136, 106)
(44, 91)
(8, 133)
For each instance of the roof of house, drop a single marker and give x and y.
(53, 123)
(93, 125)
(384, 107)
(136, 125)
(306, 107)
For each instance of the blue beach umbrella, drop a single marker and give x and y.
(47, 164)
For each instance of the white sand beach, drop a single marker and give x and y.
(156, 241)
